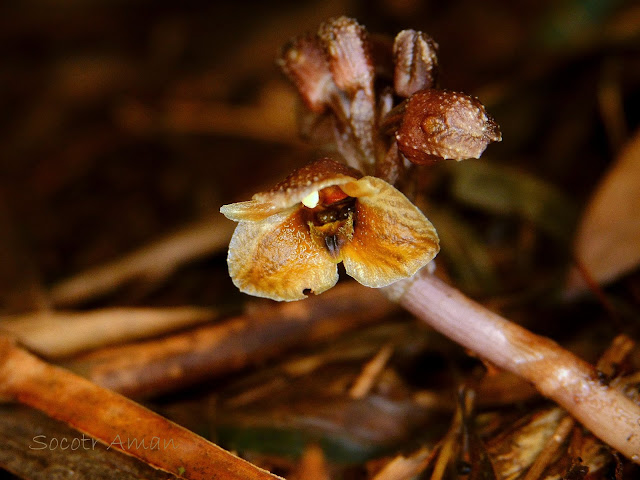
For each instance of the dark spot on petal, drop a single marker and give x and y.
(464, 468)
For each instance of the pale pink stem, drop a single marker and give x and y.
(555, 372)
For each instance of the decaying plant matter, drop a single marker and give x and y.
(334, 72)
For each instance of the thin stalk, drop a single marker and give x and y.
(153, 262)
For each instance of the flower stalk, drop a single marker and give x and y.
(555, 372)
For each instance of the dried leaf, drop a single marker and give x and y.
(405, 468)
(517, 450)
(347, 430)
(59, 334)
(607, 242)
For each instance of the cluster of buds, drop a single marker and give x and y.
(378, 101)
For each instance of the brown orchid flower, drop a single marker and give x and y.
(290, 239)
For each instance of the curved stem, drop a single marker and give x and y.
(555, 372)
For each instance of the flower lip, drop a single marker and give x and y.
(333, 205)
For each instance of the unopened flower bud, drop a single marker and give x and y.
(443, 124)
(416, 62)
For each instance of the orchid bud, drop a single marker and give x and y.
(350, 59)
(443, 124)
(305, 62)
(416, 62)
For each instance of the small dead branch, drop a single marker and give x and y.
(370, 373)
(313, 465)
(556, 373)
(61, 334)
(169, 363)
(116, 421)
(155, 261)
(406, 468)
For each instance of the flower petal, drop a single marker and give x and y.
(250, 210)
(392, 238)
(277, 258)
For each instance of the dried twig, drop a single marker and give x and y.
(556, 373)
(154, 261)
(313, 465)
(60, 334)
(185, 358)
(370, 373)
(406, 468)
(116, 421)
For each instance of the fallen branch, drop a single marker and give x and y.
(555, 372)
(37, 447)
(179, 360)
(116, 421)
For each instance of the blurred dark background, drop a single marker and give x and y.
(122, 121)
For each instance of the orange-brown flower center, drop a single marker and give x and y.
(329, 220)
(334, 205)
